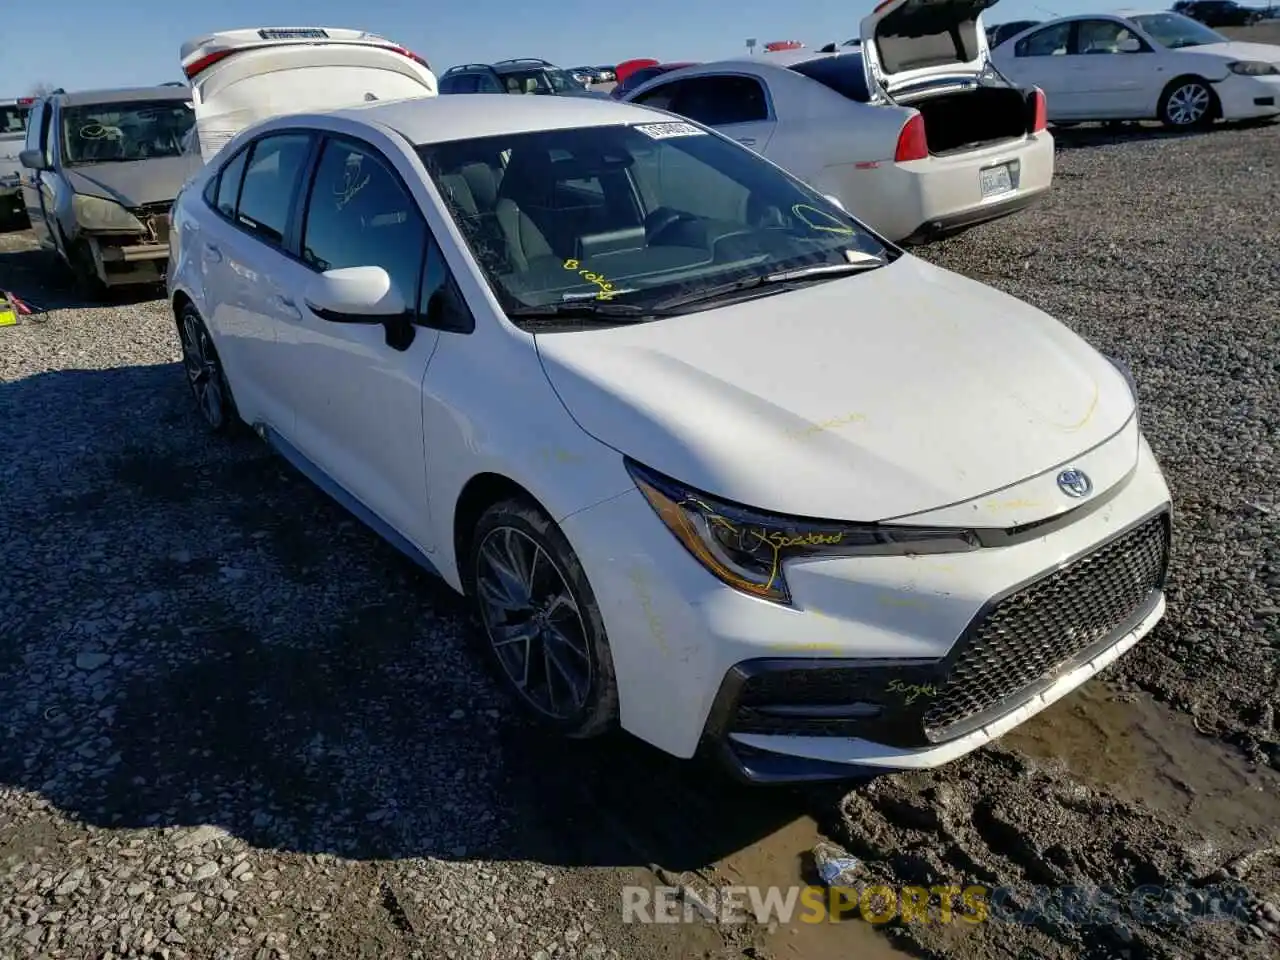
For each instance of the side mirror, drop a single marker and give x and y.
(32, 160)
(834, 201)
(356, 295)
(1130, 45)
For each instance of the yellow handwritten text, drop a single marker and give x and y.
(911, 692)
(841, 421)
(656, 629)
(606, 288)
(816, 219)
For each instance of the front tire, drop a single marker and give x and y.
(540, 626)
(1188, 103)
(84, 273)
(204, 372)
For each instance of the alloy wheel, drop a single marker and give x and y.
(203, 372)
(533, 623)
(1188, 105)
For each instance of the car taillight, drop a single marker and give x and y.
(912, 144)
(204, 63)
(411, 55)
(1040, 111)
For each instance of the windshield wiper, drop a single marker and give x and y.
(583, 310)
(823, 271)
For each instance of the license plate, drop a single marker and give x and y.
(995, 180)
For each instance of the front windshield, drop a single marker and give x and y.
(633, 214)
(13, 119)
(1173, 30)
(115, 132)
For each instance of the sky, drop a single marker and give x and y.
(113, 43)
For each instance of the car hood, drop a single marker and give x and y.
(867, 398)
(133, 183)
(1236, 50)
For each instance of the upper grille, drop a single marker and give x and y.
(1032, 634)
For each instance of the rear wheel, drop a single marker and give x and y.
(1188, 103)
(205, 376)
(542, 630)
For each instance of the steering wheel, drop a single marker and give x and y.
(662, 220)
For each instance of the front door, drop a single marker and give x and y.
(356, 389)
(1113, 70)
(36, 196)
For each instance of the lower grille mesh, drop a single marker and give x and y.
(1046, 625)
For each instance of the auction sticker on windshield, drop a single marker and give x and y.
(663, 131)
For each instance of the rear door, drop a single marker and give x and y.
(243, 76)
(243, 259)
(355, 388)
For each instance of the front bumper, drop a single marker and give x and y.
(1247, 98)
(882, 663)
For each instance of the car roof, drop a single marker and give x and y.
(424, 120)
(123, 95)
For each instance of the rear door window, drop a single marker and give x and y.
(270, 182)
(843, 74)
(721, 101)
(1052, 41)
(229, 185)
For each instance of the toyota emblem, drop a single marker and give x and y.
(1075, 483)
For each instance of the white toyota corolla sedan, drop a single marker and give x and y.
(713, 462)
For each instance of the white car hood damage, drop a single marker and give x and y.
(1237, 50)
(867, 398)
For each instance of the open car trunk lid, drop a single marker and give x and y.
(907, 42)
(241, 77)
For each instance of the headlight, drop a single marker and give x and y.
(94, 213)
(748, 550)
(1253, 68)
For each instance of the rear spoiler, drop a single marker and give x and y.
(269, 37)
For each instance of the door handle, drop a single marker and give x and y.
(288, 307)
(212, 253)
(747, 141)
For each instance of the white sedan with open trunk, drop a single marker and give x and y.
(913, 132)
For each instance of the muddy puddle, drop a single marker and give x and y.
(1146, 753)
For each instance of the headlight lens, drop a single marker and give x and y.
(747, 549)
(1253, 68)
(94, 213)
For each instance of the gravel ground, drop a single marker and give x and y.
(235, 724)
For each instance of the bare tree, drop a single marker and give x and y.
(41, 89)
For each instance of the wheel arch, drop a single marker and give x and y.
(477, 495)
